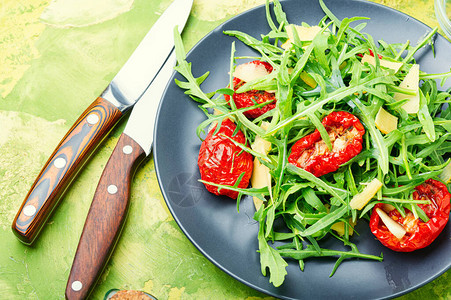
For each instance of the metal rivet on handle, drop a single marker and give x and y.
(76, 285)
(29, 210)
(112, 189)
(127, 149)
(92, 119)
(59, 162)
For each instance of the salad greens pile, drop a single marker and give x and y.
(309, 206)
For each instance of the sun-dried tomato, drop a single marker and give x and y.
(311, 153)
(222, 162)
(419, 234)
(253, 97)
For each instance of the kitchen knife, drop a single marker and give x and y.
(97, 120)
(111, 200)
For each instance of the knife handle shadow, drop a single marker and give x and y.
(62, 166)
(105, 218)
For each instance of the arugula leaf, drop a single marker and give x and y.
(376, 136)
(271, 259)
(184, 68)
(331, 16)
(325, 221)
(425, 117)
(318, 182)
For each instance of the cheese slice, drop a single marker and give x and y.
(395, 66)
(260, 173)
(305, 34)
(361, 199)
(410, 82)
(339, 227)
(250, 71)
(385, 121)
(446, 174)
(394, 227)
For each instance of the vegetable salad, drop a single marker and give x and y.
(330, 128)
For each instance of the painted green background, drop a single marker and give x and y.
(56, 57)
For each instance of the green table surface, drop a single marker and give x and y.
(56, 57)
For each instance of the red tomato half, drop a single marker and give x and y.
(221, 161)
(311, 153)
(250, 98)
(419, 234)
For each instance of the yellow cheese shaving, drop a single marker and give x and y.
(385, 121)
(395, 66)
(305, 34)
(361, 199)
(446, 174)
(395, 228)
(260, 173)
(410, 82)
(249, 71)
(339, 228)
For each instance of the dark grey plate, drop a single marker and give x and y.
(228, 238)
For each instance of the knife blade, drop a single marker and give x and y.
(96, 121)
(109, 206)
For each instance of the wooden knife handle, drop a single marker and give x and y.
(105, 218)
(71, 153)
